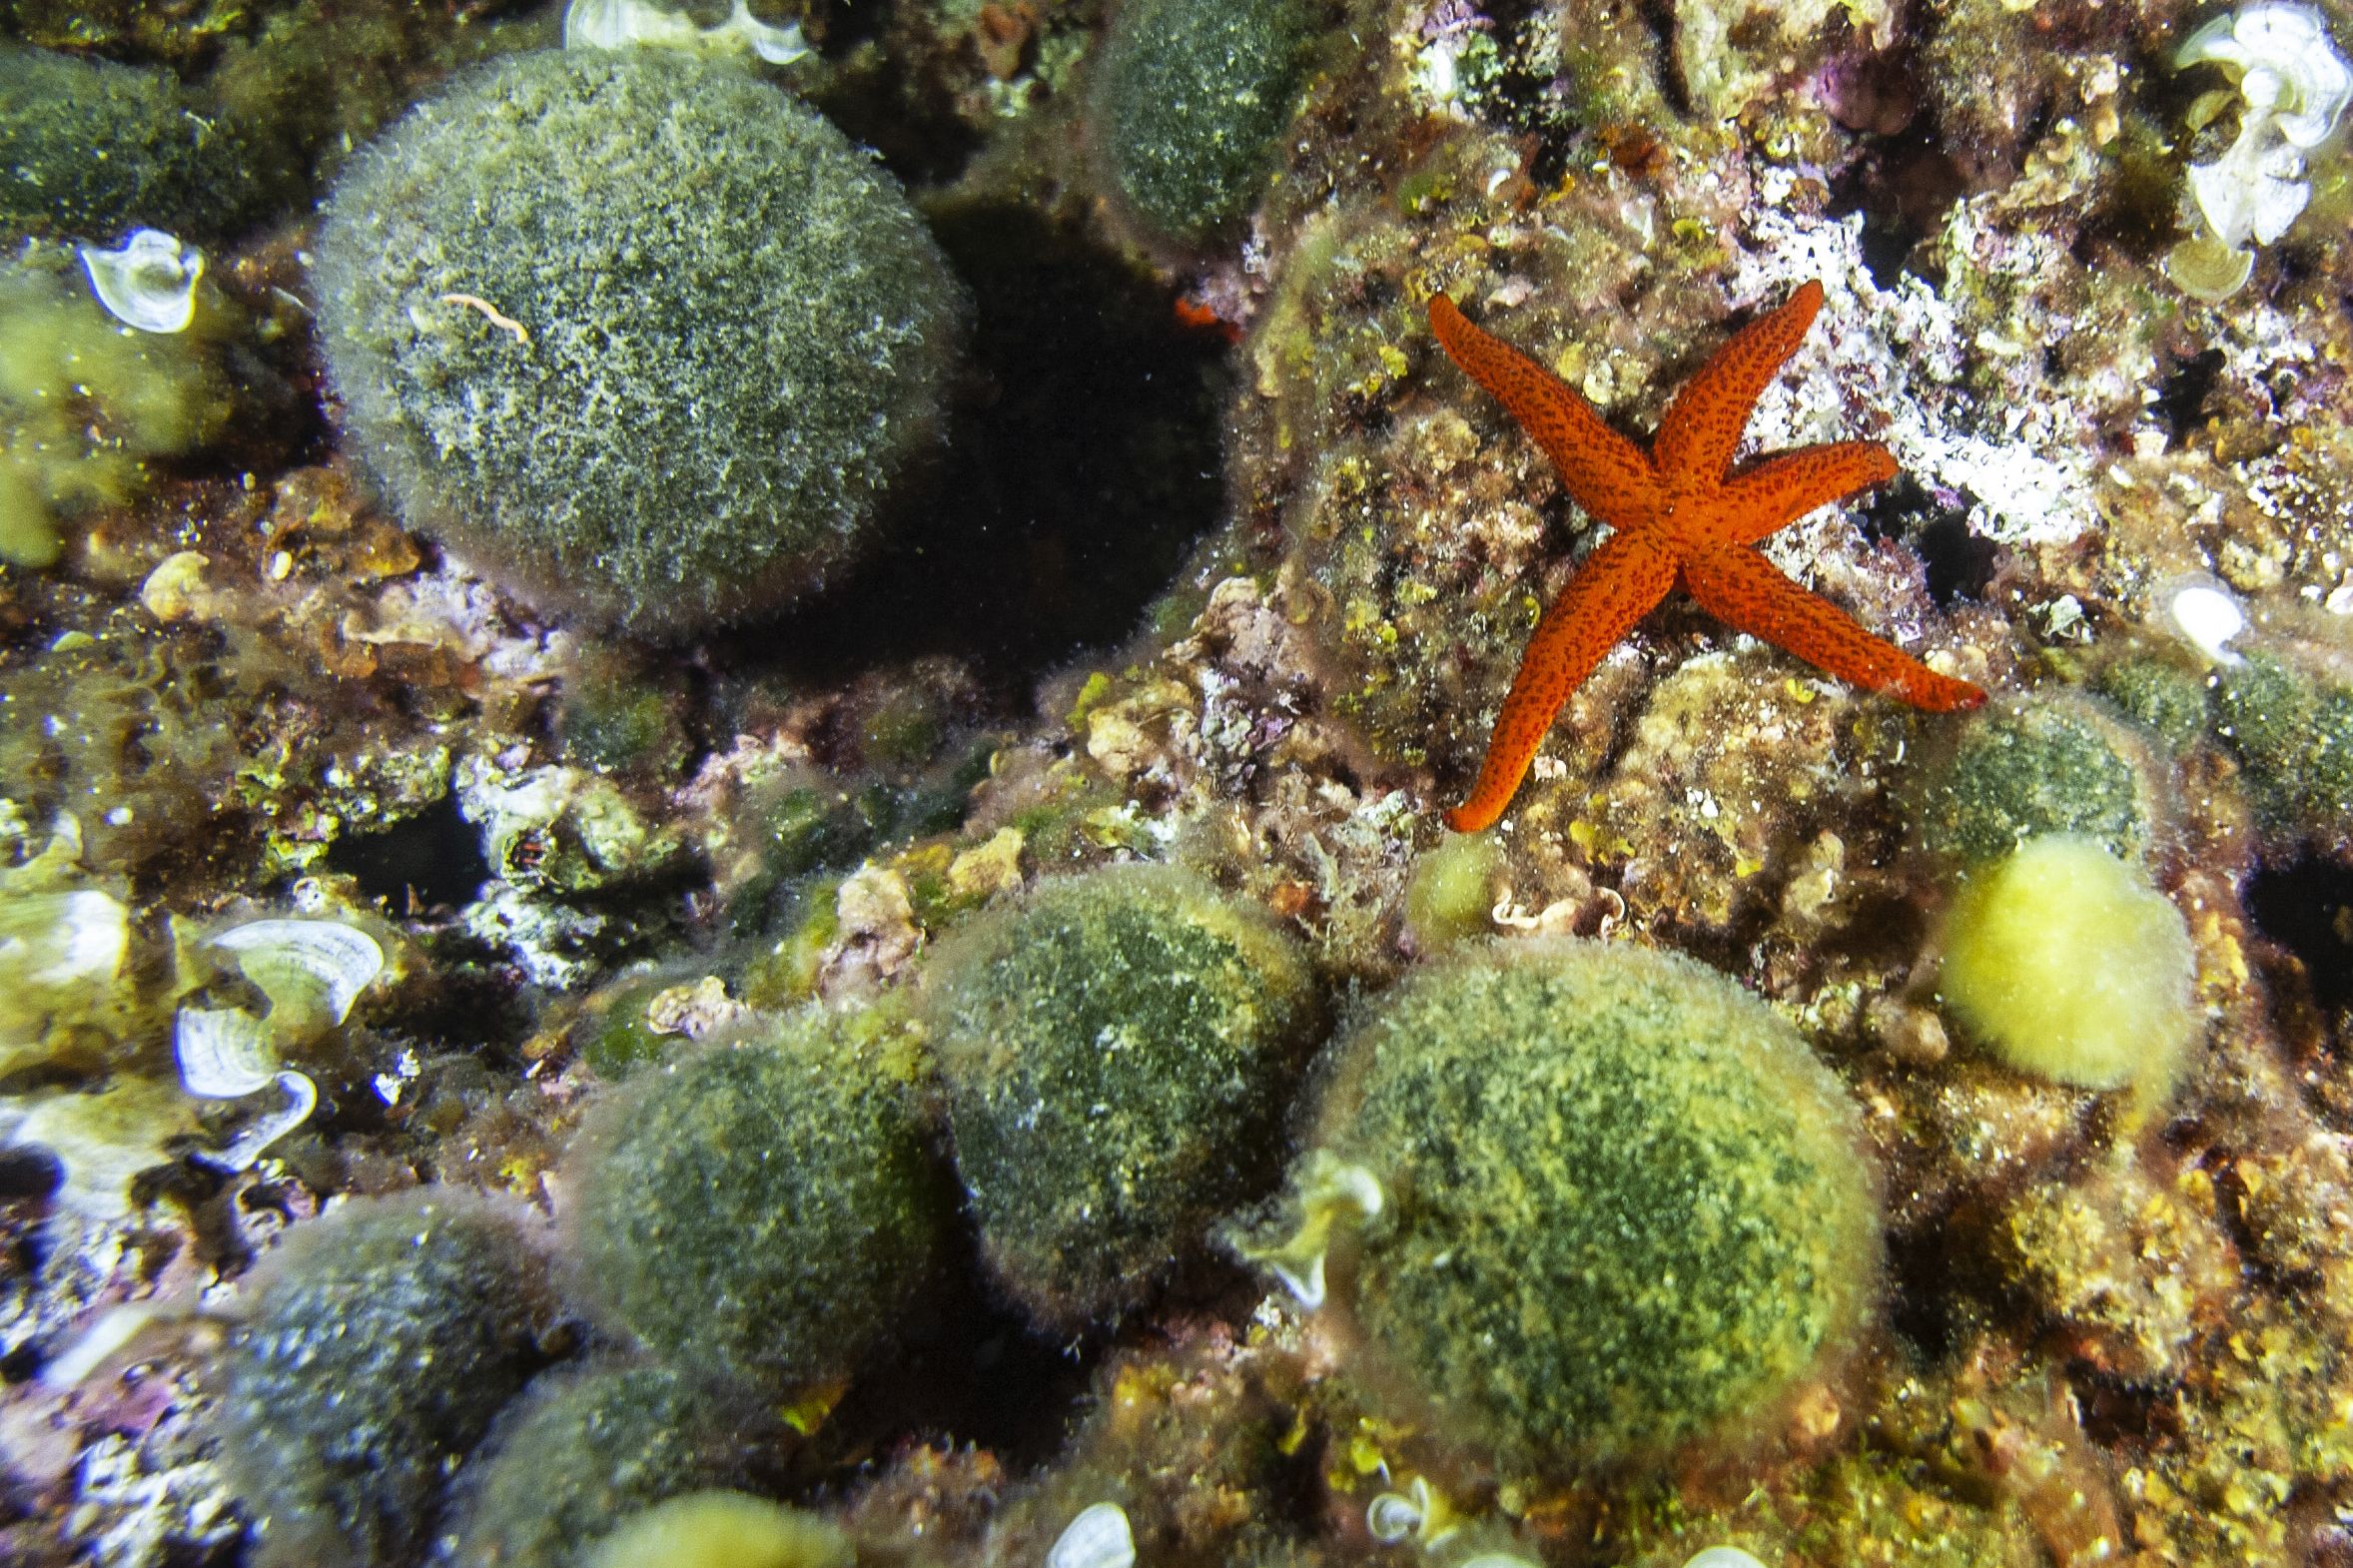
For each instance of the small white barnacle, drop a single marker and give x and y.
(148, 282)
(1097, 1538)
(2205, 615)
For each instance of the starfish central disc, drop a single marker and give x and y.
(1681, 516)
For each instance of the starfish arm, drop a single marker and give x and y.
(1784, 487)
(1701, 428)
(1738, 585)
(1620, 583)
(1603, 472)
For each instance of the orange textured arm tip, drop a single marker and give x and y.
(1620, 583)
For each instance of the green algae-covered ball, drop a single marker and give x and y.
(2293, 732)
(761, 1210)
(1119, 1051)
(2030, 766)
(2070, 965)
(1189, 100)
(89, 149)
(384, 1339)
(638, 333)
(2163, 696)
(577, 1457)
(1628, 1211)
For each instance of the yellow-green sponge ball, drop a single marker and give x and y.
(723, 1530)
(2072, 966)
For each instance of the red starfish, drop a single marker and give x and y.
(1679, 518)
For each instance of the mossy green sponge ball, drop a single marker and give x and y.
(1188, 103)
(760, 1210)
(637, 333)
(2293, 731)
(384, 1339)
(89, 149)
(2030, 766)
(583, 1453)
(2072, 966)
(1119, 1050)
(1627, 1209)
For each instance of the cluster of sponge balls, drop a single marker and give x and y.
(644, 337)
(1627, 1212)
(640, 335)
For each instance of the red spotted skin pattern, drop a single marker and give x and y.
(1680, 518)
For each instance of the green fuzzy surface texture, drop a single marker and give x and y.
(1631, 1209)
(1191, 99)
(760, 1212)
(91, 149)
(2294, 734)
(1120, 1049)
(585, 1452)
(386, 1339)
(2031, 767)
(734, 332)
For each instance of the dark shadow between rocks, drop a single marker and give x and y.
(2306, 906)
(1073, 483)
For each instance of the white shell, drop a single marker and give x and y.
(628, 24)
(1362, 1188)
(1097, 1538)
(101, 1342)
(330, 961)
(148, 282)
(2288, 68)
(1392, 1516)
(224, 1053)
(1724, 1557)
(301, 1098)
(1306, 1286)
(2206, 615)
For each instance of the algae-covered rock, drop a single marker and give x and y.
(761, 1210)
(639, 334)
(90, 148)
(1188, 100)
(2072, 966)
(1119, 1051)
(2031, 766)
(1627, 1210)
(580, 1455)
(382, 1343)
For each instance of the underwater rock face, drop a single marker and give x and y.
(1117, 1049)
(640, 334)
(1631, 1209)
